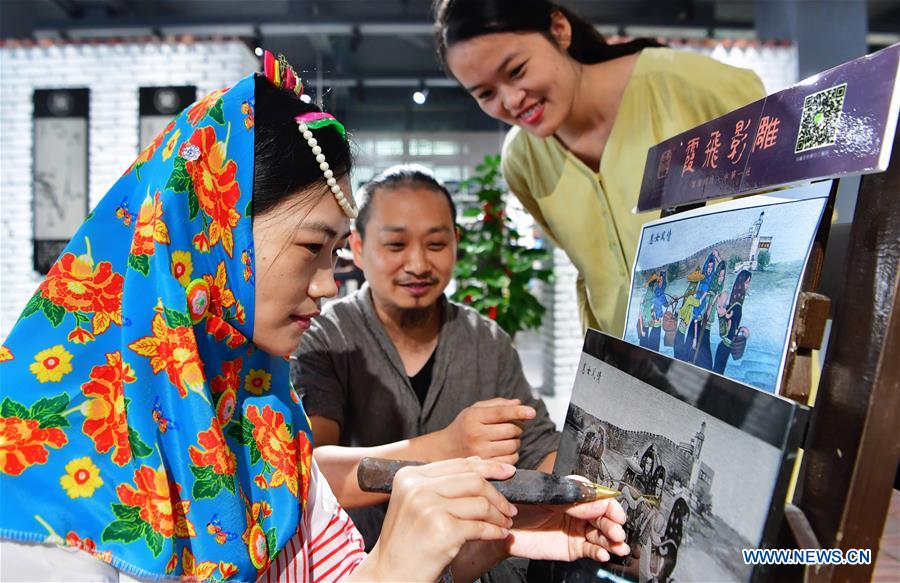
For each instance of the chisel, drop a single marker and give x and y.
(524, 487)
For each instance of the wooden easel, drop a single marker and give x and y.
(810, 316)
(852, 447)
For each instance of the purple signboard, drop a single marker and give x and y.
(837, 123)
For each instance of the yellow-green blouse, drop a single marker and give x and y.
(589, 214)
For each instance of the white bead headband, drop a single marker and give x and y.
(314, 120)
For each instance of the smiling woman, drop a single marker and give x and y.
(585, 112)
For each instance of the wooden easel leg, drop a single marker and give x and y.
(854, 443)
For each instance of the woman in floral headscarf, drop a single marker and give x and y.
(686, 312)
(147, 415)
(161, 439)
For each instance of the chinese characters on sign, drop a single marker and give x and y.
(766, 137)
(664, 161)
(808, 131)
(766, 133)
(689, 155)
(712, 150)
(739, 141)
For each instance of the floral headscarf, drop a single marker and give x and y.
(137, 420)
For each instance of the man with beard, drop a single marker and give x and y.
(397, 370)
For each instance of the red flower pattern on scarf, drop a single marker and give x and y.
(215, 185)
(277, 445)
(77, 285)
(175, 350)
(105, 422)
(150, 228)
(215, 452)
(23, 443)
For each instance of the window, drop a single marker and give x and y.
(389, 147)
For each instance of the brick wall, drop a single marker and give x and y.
(113, 71)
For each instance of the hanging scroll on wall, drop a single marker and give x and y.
(158, 106)
(60, 173)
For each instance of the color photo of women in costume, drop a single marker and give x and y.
(652, 309)
(691, 283)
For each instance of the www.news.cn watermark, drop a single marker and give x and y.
(806, 556)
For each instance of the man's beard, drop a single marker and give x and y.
(415, 317)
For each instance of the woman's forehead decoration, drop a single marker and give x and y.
(283, 76)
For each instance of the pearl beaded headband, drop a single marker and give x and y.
(283, 76)
(315, 120)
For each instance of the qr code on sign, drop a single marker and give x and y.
(821, 119)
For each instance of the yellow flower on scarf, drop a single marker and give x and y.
(258, 381)
(182, 267)
(52, 364)
(82, 477)
(170, 145)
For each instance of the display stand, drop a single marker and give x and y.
(852, 447)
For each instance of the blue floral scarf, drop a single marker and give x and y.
(137, 421)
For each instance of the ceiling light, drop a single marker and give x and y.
(421, 94)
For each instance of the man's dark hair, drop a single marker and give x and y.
(400, 176)
(283, 161)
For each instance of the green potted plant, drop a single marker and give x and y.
(494, 270)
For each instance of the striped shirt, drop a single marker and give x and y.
(327, 547)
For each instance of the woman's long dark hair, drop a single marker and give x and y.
(739, 289)
(675, 525)
(283, 162)
(459, 20)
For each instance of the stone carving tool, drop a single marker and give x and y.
(525, 487)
